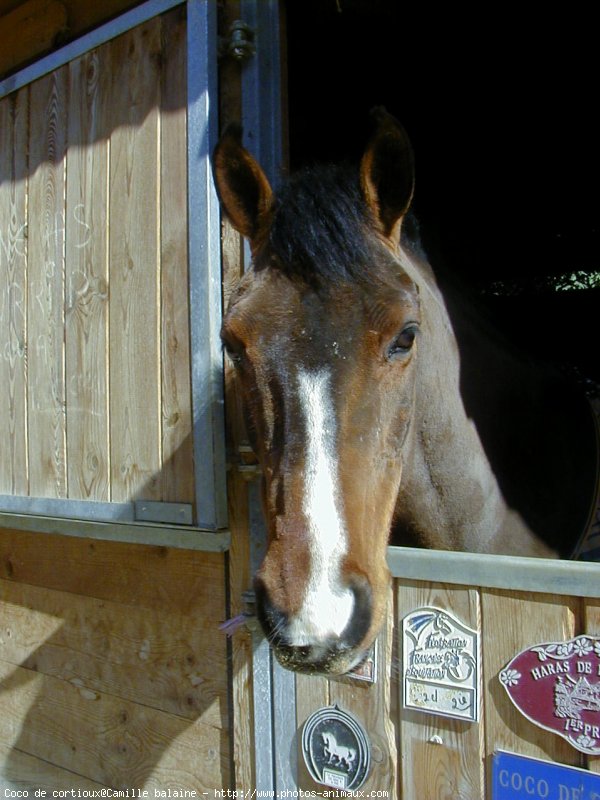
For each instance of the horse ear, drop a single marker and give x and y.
(242, 185)
(387, 174)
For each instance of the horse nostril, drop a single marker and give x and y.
(360, 621)
(271, 618)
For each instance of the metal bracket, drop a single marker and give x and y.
(249, 611)
(247, 465)
(171, 513)
(239, 43)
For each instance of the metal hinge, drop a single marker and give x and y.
(239, 42)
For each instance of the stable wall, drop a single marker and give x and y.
(113, 672)
(112, 669)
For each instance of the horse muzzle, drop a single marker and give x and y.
(311, 645)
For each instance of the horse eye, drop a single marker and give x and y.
(403, 343)
(235, 355)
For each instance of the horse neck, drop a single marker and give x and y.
(450, 497)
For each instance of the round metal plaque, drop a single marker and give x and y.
(336, 749)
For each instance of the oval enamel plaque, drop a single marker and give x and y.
(336, 749)
(556, 685)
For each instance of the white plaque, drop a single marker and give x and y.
(440, 660)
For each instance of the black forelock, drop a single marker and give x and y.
(320, 227)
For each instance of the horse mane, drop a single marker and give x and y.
(319, 229)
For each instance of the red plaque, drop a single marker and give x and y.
(557, 686)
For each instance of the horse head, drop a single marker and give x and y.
(323, 333)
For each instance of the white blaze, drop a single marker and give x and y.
(327, 606)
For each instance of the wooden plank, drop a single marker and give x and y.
(240, 579)
(591, 625)
(177, 449)
(237, 489)
(513, 621)
(106, 739)
(371, 705)
(241, 644)
(135, 404)
(85, 16)
(440, 757)
(87, 278)
(24, 772)
(164, 660)
(186, 582)
(45, 356)
(13, 291)
(312, 693)
(29, 30)
(395, 685)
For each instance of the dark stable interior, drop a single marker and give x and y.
(499, 104)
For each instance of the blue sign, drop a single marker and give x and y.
(523, 778)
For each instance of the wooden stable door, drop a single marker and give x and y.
(106, 366)
(113, 671)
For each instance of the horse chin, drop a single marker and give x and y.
(328, 664)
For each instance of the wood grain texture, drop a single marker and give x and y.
(21, 771)
(106, 739)
(591, 626)
(371, 705)
(454, 768)
(147, 656)
(121, 658)
(240, 578)
(87, 280)
(513, 621)
(45, 29)
(13, 292)
(177, 458)
(312, 693)
(46, 227)
(186, 582)
(135, 403)
(29, 30)
(241, 644)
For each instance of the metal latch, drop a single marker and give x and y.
(239, 43)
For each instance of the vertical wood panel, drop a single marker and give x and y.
(371, 704)
(513, 621)
(312, 693)
(454, 767)
(94, 295)
(46, 222)
(240, 578)
(135, 406)
(87, 278)
(177, 472)
(591, 619)
(13, 291)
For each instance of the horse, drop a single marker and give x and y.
(380, 403)
(336, 753)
